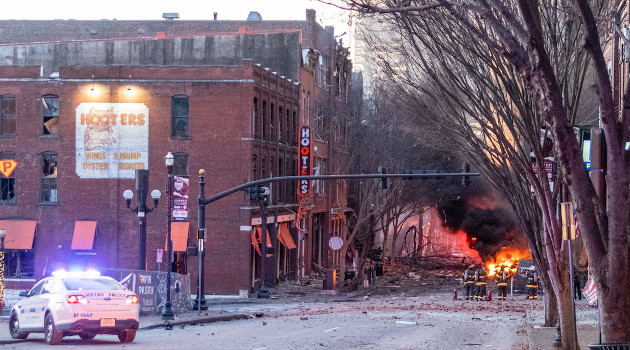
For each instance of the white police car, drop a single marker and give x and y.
(70, 303)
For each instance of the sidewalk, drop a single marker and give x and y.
(542, 338)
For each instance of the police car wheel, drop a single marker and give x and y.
(127, 336)
(52, 334)
(14, 327)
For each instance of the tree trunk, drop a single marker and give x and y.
(613, 308)
(552, 313)
(566, 315)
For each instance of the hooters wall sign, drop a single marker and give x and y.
(305, 152)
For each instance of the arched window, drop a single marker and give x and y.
(256, 119)
(281, 126)
(48, 183)
(255, 175)
(180, 116)
(50, 114)
(8, 115)
(272, 124)
(264, 120)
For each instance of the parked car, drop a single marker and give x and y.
(71, 303)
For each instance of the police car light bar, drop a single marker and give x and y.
(86, 274)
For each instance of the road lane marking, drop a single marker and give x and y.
(332, 329)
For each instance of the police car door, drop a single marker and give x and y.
(43, 302)
(27, 308)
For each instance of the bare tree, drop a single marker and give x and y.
(524, 37)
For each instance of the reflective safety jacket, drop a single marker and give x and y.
(480, 277)
(533, 280)
(469, 277)
(502, 279)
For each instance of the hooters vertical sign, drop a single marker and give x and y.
(304, 186)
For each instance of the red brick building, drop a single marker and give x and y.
(81, 111)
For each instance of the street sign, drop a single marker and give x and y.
(7, 166)
(160, 253)
(335, 242)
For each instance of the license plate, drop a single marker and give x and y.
(108, 322)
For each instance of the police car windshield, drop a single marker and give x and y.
(92, 284)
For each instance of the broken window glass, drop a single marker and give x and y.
(49, 178)
(50, 114)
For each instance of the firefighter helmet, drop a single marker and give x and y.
(471, 266)
(532, 268)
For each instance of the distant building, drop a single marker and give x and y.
(85, 103)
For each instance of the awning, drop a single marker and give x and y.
(179, 235)
(259, 234)
(259, 238)
(284, 236)
(255, 242)
(20, 233)
(83, 237)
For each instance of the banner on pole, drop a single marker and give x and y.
(590, 291)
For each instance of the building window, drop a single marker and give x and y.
(272, 124)
(280, 185)
(7, 185)
(8, 115)
(255, 175)
(180, 165)
(264, 120)
(180, 116)
(50, 114)
(294, 130)
(256, 119)
(19, 263)
(322, 72)
(48, 188)
(281, 126)
(288, 128)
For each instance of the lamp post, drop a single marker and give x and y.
(3, 234)
(200, 302)
(262, 195)
(167, 312)
(142, 184)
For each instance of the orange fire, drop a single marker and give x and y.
(508, 257)
(462, 248)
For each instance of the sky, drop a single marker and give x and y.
(153, 9)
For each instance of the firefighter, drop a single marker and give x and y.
(502, 278)
(480, 282)
(469, 282)
(532, 283)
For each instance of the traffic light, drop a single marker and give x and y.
(383, 180)
(465, 178)
(258, 193)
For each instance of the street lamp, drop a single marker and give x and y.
(3, 234)
(167, 312)
(142, 184)
(200, 302)
(261, 194)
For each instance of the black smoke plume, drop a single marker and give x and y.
(488, 230)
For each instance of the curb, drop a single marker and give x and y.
(199, 320)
